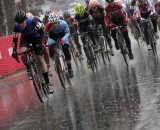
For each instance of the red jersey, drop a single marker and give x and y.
(115, 14)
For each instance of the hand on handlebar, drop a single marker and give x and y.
(15, 56)
(14, 53)
(63, 41)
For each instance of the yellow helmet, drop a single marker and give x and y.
(79, 9)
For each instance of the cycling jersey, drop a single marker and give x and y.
(98, 15)
(115, 14)
(55, 33)
(144, 7)
(71, 24)
(130, 10)
(33, 30)
(157, 7)
(84, 21)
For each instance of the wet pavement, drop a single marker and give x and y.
(114, 98)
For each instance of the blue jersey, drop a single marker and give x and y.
(62, 31)
(29, 32)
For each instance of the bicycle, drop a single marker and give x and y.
(122, 43)
(137, 36)
(90, 54)
(151, 35)
(103, 44)
(60, 63)
(37, 78)
(74, 52)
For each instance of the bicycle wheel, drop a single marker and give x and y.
(73, 53)
(92, 54)
(65, 69)
(104, 50)
(39, 84)
(123, 48)
(136, 36)
(60, 72)
(153, 42)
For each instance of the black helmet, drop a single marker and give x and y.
(87, 1)
(48, 13)
(20, 16)
(66, 14)
(109, 1)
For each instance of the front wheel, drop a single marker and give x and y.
(38, 83)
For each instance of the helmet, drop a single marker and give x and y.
(79, 9)
(66, 14)
(127, 2)
(109, 1)
(20, 16)
(47, 13)
(29, 15)
(87, 1)
(93, 3)
(53, 18)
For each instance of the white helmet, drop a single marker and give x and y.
(127, 2)
(53, 18)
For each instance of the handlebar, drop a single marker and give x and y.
(82, 33)
(116, 27)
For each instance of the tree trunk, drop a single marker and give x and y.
(10, 12)
(25, 5)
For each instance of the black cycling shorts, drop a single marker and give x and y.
(37, 45)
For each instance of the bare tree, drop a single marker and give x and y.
(7, 11)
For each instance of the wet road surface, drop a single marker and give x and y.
(114, 98)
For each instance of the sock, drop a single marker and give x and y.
(27, 66)
(45, 75)
(69, 66)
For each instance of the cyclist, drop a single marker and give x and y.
(85, 24)
(58, 29)
(45, 19)
(46, 56)
(117, 16)
(97, 12)
(31, 32)
(145, 9)
(130, 8)
(87, 5)
(73, 31)
(157, 7)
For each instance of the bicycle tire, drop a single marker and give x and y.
(93, 56)
(103, 53)
(39, 89)
(89, 57)
(66, 70)
(136, 37)
(153, 42)
(73, 53)
(60, 72)
(123, 47)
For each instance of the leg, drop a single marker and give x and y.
(128, 43)
(67, 54)
(24, 47)
(113, 33)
